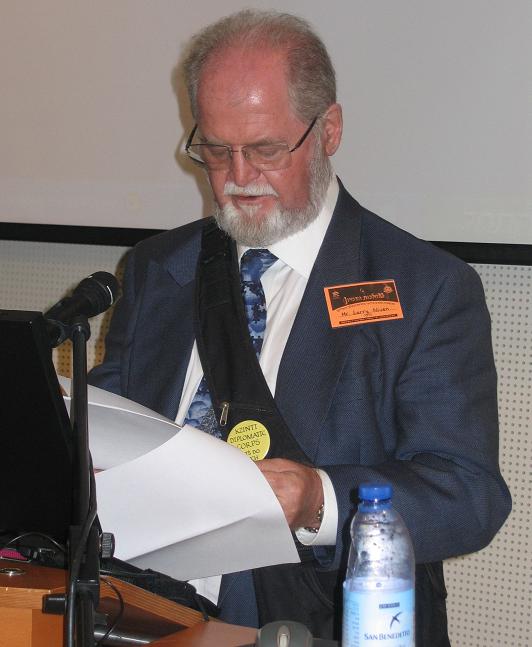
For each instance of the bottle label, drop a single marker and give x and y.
(378, 618)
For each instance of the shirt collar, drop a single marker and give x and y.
(299, 251)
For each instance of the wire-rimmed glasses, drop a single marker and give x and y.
(266, 156)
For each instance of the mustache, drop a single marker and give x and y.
(252, 189)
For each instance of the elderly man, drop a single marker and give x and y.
(403, 390)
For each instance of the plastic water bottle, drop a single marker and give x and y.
(379, 585)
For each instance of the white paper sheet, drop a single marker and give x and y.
(178, 500)
(120, 429)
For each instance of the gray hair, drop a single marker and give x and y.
(310, 74)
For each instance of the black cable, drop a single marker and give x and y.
(201, 606)
(74, 572)
(78, 558)
(34, 534)
(118, 615)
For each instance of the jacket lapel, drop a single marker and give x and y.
(160, 356)
(315, 353)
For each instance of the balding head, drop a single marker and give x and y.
(307, 66)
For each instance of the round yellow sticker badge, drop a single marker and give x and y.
(251, 437)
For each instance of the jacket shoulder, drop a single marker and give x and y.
(163, 245)
(175, 251)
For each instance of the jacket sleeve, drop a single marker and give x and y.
(442, 411)
(110, 375)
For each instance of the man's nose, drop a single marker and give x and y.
(242, 171)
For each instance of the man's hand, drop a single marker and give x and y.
(298, 489)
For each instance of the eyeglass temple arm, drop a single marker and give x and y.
(191, 137)
(305, 135)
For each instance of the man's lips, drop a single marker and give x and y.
(251, 199)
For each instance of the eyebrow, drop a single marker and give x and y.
(260, 142)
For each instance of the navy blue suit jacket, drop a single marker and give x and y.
(410, 401)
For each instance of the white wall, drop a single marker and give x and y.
(437, 99)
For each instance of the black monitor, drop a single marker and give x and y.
(35, 433)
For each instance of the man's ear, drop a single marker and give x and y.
(332, 124)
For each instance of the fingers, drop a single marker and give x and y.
(297, 487)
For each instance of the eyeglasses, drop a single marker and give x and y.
(263, 156)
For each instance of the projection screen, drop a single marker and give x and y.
(437, 100)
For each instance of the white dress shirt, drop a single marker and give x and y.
(284, 284)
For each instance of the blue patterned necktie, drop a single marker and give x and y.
(252, 266)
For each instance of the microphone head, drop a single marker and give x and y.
(101, 290)
(90, 297)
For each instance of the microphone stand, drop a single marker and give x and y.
(91, 297)
(84, 546)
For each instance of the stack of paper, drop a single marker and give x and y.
(178, 500)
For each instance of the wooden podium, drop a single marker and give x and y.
(23, 624)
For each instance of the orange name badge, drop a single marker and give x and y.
(359, 303)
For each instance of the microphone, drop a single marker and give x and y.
(92, 296)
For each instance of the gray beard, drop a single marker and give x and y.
(279, 223)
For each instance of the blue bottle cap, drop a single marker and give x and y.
(375, 491)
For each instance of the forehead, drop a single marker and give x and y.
(247, 92)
